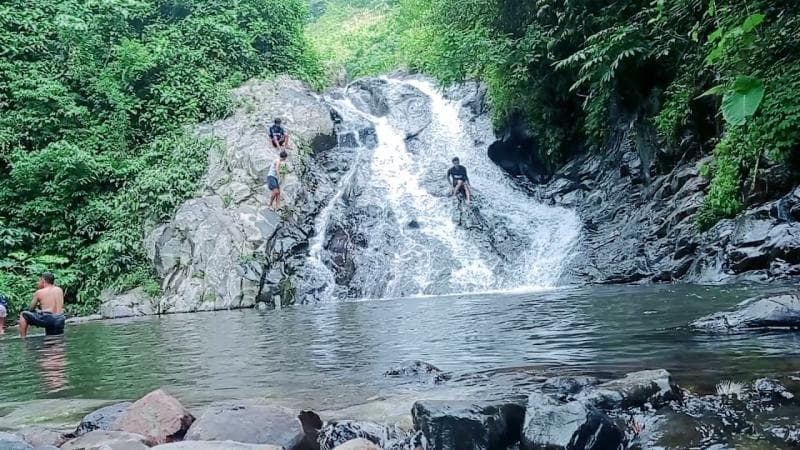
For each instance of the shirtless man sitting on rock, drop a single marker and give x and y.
(50, 315)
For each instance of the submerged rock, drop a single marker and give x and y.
(420, 370)
(634, 390)
(101, 419)
(551, 424)
(247, 422)
(158, 416)
(568, 384)
(464, 425)
(782, 311)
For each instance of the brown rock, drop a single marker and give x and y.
(358, 444)
(107, 440)
(158, 416)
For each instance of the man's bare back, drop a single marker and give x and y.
(50, 299)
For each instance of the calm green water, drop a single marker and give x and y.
(332, 356)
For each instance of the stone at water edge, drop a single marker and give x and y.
(465, 425)
(334, 434)
(781, 311)
(554, 425)
(107, 440)
(248, 422)
(634, 390)
(10, 441)
(358, 444)
(569, 385)
(158, 416)
(101, 419)
(40, 436)
(418, 369)
(215, 445)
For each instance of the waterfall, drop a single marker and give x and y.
(391, 230)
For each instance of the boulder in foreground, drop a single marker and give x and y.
(101, 419)
(158, 416)
(215, 445)
(464, 425)
(107, 440)
(634, 390)
(10, 441)
(247, 422)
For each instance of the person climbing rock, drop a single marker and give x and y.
(459, 179)
(273, 180)
(278, 135)
(3, 313)
(49, 298)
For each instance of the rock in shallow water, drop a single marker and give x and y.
(158, 416)
(358, 444)
(553, 425)
(10, 441)
(634, 390)
(247, 422)
(465, 425)
(215, 445)
(102, 419)
(40, 436)
(782, 311)
(337, 433)
(108, 440)
(418, 369)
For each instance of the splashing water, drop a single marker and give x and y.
(511, 242)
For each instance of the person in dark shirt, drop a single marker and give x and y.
(459, 179)
(278, 135)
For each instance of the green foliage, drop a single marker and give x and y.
(741, 101)
(95, 101)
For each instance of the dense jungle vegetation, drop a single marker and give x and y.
(707, 76)
(95, 100)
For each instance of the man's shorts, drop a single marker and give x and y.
(3, 312)
(52, 323)
(272, 183)
(281, 142)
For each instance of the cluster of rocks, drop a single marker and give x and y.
(773, 312)
(640, 202)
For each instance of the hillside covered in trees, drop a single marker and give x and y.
(95, 100)
(711, 76)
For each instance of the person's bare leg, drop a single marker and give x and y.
(23, 326)
(468, 191)
(2, 325)
(277, 199)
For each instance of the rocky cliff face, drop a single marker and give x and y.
(640, 220)
(226, 248)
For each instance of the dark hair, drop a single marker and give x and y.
(49, 278)
(277, 121)
(283, 154)
(455, 159)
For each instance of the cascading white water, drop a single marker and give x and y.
(438, 255)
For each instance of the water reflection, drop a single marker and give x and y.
(334, 355)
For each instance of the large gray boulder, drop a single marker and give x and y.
(41, 436)
(634, 390)
(10, 441)
(554, 425)
(778, 312)
(102, 419)
(465, 425)
(215, 252)
(135, 302)
(157, 416)
(247, 422)
(107, 440)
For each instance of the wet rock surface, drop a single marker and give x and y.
(113, 440)
(10, 441)
(773, 312)
(457, 425)
(247, 422)
(102, 419)
(418, 371)
(636, 389)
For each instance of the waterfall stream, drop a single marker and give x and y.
(391, 230)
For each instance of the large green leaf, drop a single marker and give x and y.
(742, 100)
(751, 22)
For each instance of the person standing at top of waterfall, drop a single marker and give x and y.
(273, 180)
(278, 135)
(459, 179)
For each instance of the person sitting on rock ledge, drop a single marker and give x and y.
(273, 180)
(3, 313)
(50, 315)
(278, 135)
(458, 177)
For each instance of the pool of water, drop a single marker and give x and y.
(332, 356)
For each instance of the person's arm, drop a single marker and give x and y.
(34, 302)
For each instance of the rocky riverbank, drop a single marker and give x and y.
(641, 410)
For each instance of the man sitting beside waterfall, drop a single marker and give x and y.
(49, 298)
(278, 135)
(459, 179)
